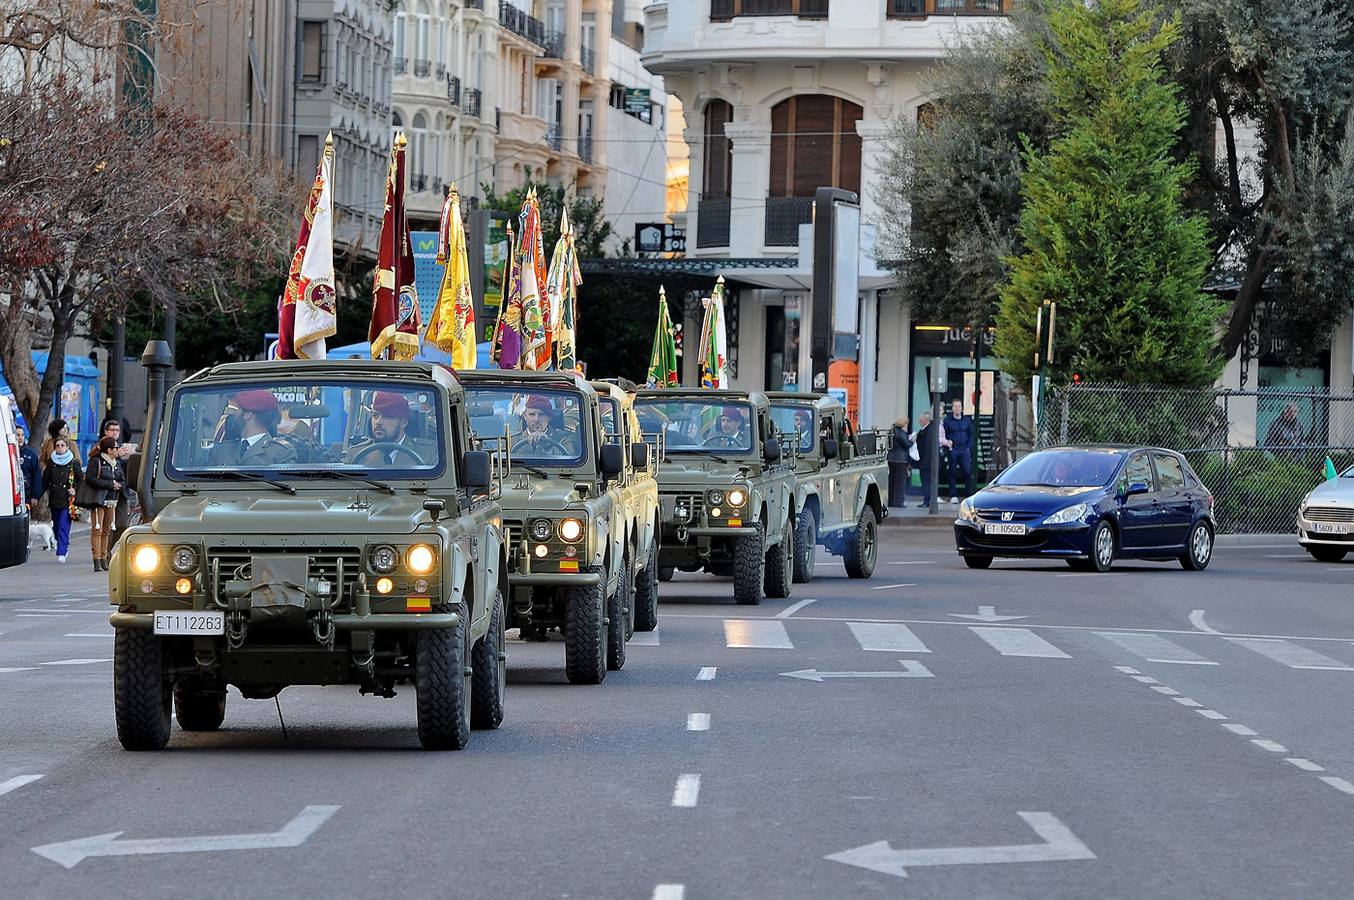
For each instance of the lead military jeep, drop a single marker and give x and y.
(572, 549)
(841, 482)
(314, 522)
(726, 488)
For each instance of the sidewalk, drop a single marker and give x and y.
(916, 516)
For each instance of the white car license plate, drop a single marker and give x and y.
(1003, 528)
(190, 622)
(1330, 527)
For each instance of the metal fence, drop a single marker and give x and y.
(1259, 451)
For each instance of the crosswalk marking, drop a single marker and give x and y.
(887, 636)
(1155, 649)
(645, 638)
(756, 634)
(1291, 655)
(1018, 642)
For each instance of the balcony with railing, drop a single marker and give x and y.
(784, 215)
(521, 23)
(587, 58)
(585, 147)
(554, 136)
(418, 183)
(554, 44)
(471, 101)
(724, 10)
(454, 90)
(917, 9)
(423, 68)
(712, 221)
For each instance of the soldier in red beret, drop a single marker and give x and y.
(390, 416)
(257, 447)
(539, 435)
(731, 430)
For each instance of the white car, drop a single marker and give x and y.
(13, 510)
(1326, 518)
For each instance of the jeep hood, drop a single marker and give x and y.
(696, 471)
(538, 495)
(278, 514)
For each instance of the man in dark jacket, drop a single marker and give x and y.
(925, 452)
(959, 430)
(28, 461)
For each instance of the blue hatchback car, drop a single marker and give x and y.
(1090, 505)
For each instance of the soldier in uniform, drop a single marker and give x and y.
(730, 430)
(539, 436)
(257, 446)
(390, 415)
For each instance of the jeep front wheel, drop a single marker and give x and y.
(806, 545)
(585, 637)
(489, 667)
(780, 564)
(141, 696)
(618, 616)
(749, 553)
(443, 687)
(646, 592)
(199, 707)
(862, 545)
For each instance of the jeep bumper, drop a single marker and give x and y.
(342, 621)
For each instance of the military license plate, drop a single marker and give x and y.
(190, 622)
(1003, 528)
(1330, 527)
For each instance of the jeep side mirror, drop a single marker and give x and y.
(639, 455)
(771, 450)
(476, 469)
(1137, 487)
(829, 449)
(613, 460)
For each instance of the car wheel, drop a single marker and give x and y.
(489, 664)
(617, 617)
(141, 697)
(749, 575)
(1199, 551)
(442, 687)
(780, 564)
(806, 545)
(585, 636)
(199, 708)
(862, 545)
(1327, 554)
(1102, 547)
(646, 592)
(978, 562)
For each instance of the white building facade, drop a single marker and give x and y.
(635, 126)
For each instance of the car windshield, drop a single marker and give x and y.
(543, 426)
(293, 428)
(1063, 468)
(698, 426)
(794, 419)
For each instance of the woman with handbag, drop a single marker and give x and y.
(62, 477)
(105, 480)
(902, 454)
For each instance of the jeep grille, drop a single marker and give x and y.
(324, 562)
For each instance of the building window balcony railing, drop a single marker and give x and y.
(712, 222)
(587, 58)
(784, 215)
(554, 44)
(454, 90)
(585, 147)
(423, 68)
(475, 4)
(471, 102)
(418, 183)
(916, 9)
(724, 10)
(401, 65)
(522, 23)
(441, 71)
(554, 136)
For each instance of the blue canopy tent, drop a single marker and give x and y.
(79, 401)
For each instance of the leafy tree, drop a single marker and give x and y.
(1104, 229)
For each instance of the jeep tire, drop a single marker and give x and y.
(646, 592)
(806, 545)
(780, 564)
(489, 666)
(618, 615)
(199, 707)
(861, 545)
(141, 694)
(585, 633)
(749, 556)
(442, 686)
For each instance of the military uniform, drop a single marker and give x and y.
(426, 450)
(263, 453)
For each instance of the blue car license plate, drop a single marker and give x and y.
(1003, 528)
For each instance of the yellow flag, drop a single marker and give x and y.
(452, 328)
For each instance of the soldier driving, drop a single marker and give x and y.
(390, 415)
(257, 447)
(539, 436)
(730, 430)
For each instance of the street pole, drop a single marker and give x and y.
(978, 331)
(117, 380)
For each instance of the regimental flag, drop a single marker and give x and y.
(308, 312)
(507, 349)
(453, 323)
(536, 337)
(395, 319)
(714, 345)
(561, 291)
(663, 359)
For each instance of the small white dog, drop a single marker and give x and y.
(42, 530)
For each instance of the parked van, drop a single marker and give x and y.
(13, 509)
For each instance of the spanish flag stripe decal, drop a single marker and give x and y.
(568, 565)
(418, 604)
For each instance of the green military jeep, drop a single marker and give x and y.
(572, 550)
(726, 488)
(311, 522)
(841, 482)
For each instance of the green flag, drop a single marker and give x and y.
(1330, 470)
(663, 360)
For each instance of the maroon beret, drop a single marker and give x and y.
(540, 403)
(256, 401)
(390, 404)
(732, 412)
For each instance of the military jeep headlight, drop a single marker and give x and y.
(571, 530)
(184, 560)
(737, 497)
(716, 497)
(421, 559)
(146, 559)
(540, 529)
(384, 559)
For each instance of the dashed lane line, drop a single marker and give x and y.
(1339, 784)
(707, 673)
(1210, 714)
(698, 722)
(1185, 701)
(17, 782)
(1271, 746)
(687, 791)
(669, 892)
(1162, 689)
(645, 638)
(1305, 765)
(1240, 729)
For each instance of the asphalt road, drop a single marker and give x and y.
(1149, 733)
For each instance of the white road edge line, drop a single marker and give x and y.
(707, 673)
(17, 782)
(687, 790)
(669, 892)
(794, 608)
(1196, 618)
(697, 721)
(1338, 783)
(1239, 729)
(1271, 746)
(1305, 765)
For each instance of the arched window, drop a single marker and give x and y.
(718, 152)
(814, 144)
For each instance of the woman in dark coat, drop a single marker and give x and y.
(900, 463)
(62, 476)
(107, 474)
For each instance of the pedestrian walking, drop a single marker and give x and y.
(107, 476)
(32, 469)
(117, 431)
(57, 428)
(900, 463)
(62, 476)
(959, 431)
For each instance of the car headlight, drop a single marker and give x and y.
(571, 530)
(183, 560)
(540, 529)
(716, 497)
(966, 512)
(1068, 514)
(421, 559)
(146, 559)
(737, 497)
(384, 559)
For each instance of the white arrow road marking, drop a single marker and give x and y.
(794, 608)
(987, 614)
(17, 782)
(71, 853)
(911, 669)
(1196, 618)
(1059, 845)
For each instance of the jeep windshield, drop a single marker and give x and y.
(543, 427)
(293, 429)
(795, 419)
(714, 427)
